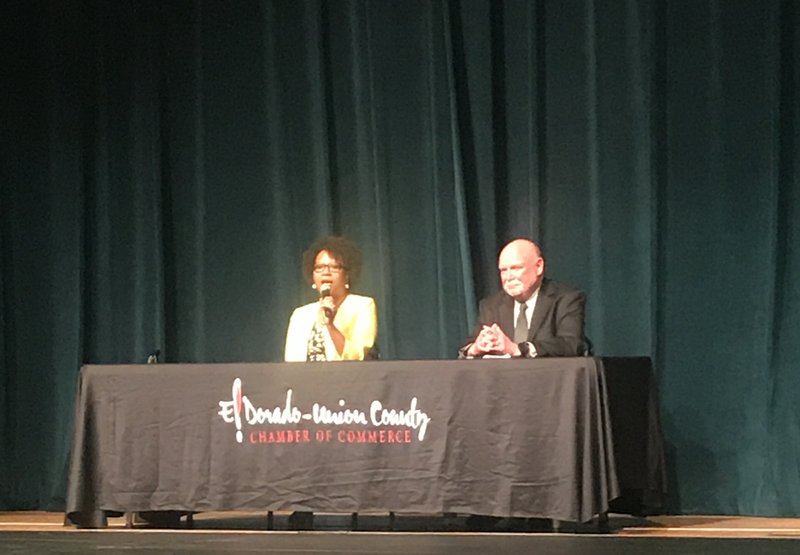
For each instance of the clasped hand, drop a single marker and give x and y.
(492, 340)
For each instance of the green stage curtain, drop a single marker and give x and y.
(164, 165)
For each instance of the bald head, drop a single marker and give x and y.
(521, 268)
(521, 247)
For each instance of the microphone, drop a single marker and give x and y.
(325, 291)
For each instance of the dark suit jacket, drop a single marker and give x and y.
(556, 327)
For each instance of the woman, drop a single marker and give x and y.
(340, 325)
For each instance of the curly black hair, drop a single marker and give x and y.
(345, 251)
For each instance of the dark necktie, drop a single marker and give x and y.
(521, 329)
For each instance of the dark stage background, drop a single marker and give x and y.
(164, 164)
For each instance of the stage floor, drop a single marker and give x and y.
(244, 533)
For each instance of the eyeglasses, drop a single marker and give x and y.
(332, 268)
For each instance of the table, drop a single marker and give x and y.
(560, 438)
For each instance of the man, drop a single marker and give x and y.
(532, 316)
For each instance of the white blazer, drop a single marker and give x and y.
(356, 318)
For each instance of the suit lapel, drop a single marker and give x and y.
(543, 303)
(505, 315)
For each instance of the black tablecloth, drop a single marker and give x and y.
(531, 438)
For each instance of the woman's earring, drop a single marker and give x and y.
(313, 286)
(347, 286)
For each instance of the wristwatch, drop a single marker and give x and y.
(524, 349)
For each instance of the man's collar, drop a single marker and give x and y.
(532, 295)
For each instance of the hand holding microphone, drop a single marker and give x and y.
(326, 303)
